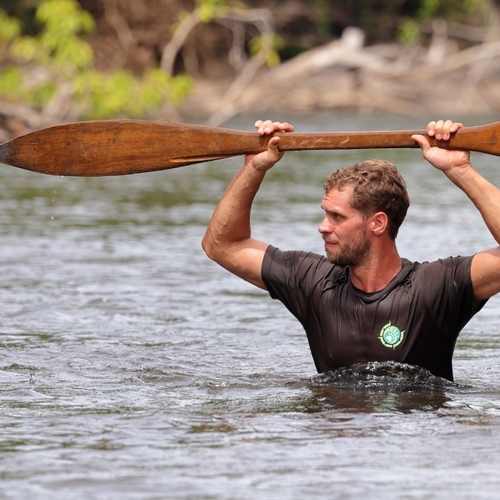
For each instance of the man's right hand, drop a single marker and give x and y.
(267, 159)
(445, 160)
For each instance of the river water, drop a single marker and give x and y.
(132, 367)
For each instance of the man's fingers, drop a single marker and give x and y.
(431, 128)
(422, 142)
(268, 127)
(442, 129)
(456, 126)
(272, 148)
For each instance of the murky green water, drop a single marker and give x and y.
(132, 367)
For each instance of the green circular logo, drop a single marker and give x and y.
(391, 336)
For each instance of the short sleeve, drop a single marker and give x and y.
(293, 276)
(449, 295)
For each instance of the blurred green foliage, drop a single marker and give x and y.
(208, 10)
(57, 64)
(426, 10)
(46, 62)
(265, 44)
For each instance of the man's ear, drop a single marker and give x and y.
(378, 223)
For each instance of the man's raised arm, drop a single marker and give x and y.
(456, 165)
(228, 240)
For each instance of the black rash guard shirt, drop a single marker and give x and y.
(415, 319)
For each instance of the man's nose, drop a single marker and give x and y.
(325, 227)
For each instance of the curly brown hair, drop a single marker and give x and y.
(378, 187)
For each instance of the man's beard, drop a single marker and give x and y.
(354, 255)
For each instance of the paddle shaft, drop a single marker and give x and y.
(120, 147)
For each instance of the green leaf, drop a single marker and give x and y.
(10, 27)
(408, 31)
(180, 87)
(64, 16)
(26, 48)
(11, 79)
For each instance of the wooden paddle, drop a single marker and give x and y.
(119, 147)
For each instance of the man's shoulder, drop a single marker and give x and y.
(451, 262)
(299, 262)
(294, 276)
(295, 257)
(275, 252)
(454, 268)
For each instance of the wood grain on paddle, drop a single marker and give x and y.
(120, 147)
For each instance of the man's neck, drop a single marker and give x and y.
(377, 272)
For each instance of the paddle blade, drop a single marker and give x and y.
(119, 147)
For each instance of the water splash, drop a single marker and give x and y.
(384, 375)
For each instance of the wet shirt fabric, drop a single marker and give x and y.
(416, 319)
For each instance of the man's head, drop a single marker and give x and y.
(377, 187)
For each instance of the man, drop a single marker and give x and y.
(363, 302)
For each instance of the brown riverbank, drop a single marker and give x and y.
(346, 75)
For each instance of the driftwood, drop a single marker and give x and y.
(412, 80)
